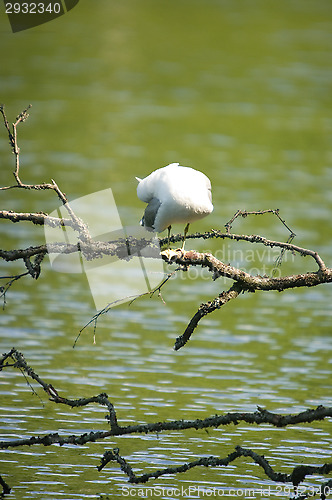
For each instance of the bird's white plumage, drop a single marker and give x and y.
(174, 194)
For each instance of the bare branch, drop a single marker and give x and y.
(245, 213)
(298, 474)
(244, 281)
(77, 222)
(205, 309)
(261, 416)
(258, 418)
(39, 218)
(13, 138)
(15, 359)
(91, 249)
(10, 280)
(5, 488)
(248, 281)
(132, 298)
(254, 238)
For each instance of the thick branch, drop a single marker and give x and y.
(254, 238)
(12, 255)
(91, 250)
(259, 417)
(250, 282)
(39, 218)
(243, 281)
(96, 249)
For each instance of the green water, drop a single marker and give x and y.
(241, 91)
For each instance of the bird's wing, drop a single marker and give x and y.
(150, 213)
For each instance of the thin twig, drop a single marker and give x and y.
(78, 224)
(4, 288)
(130, 298)
(245, 213)
(13, 138)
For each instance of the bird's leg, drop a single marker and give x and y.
(184, 236)
(169, 253)
(169, 234)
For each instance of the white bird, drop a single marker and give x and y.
(174, 194)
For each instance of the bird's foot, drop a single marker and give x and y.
(180, 251)
(170, 254)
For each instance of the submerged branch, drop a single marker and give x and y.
(5, 488)
(261, 416)
(297, 475)
(14, 359)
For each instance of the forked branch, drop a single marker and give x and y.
(12, 135)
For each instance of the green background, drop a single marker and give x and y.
(242, 91)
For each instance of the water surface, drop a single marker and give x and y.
(241, 91)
